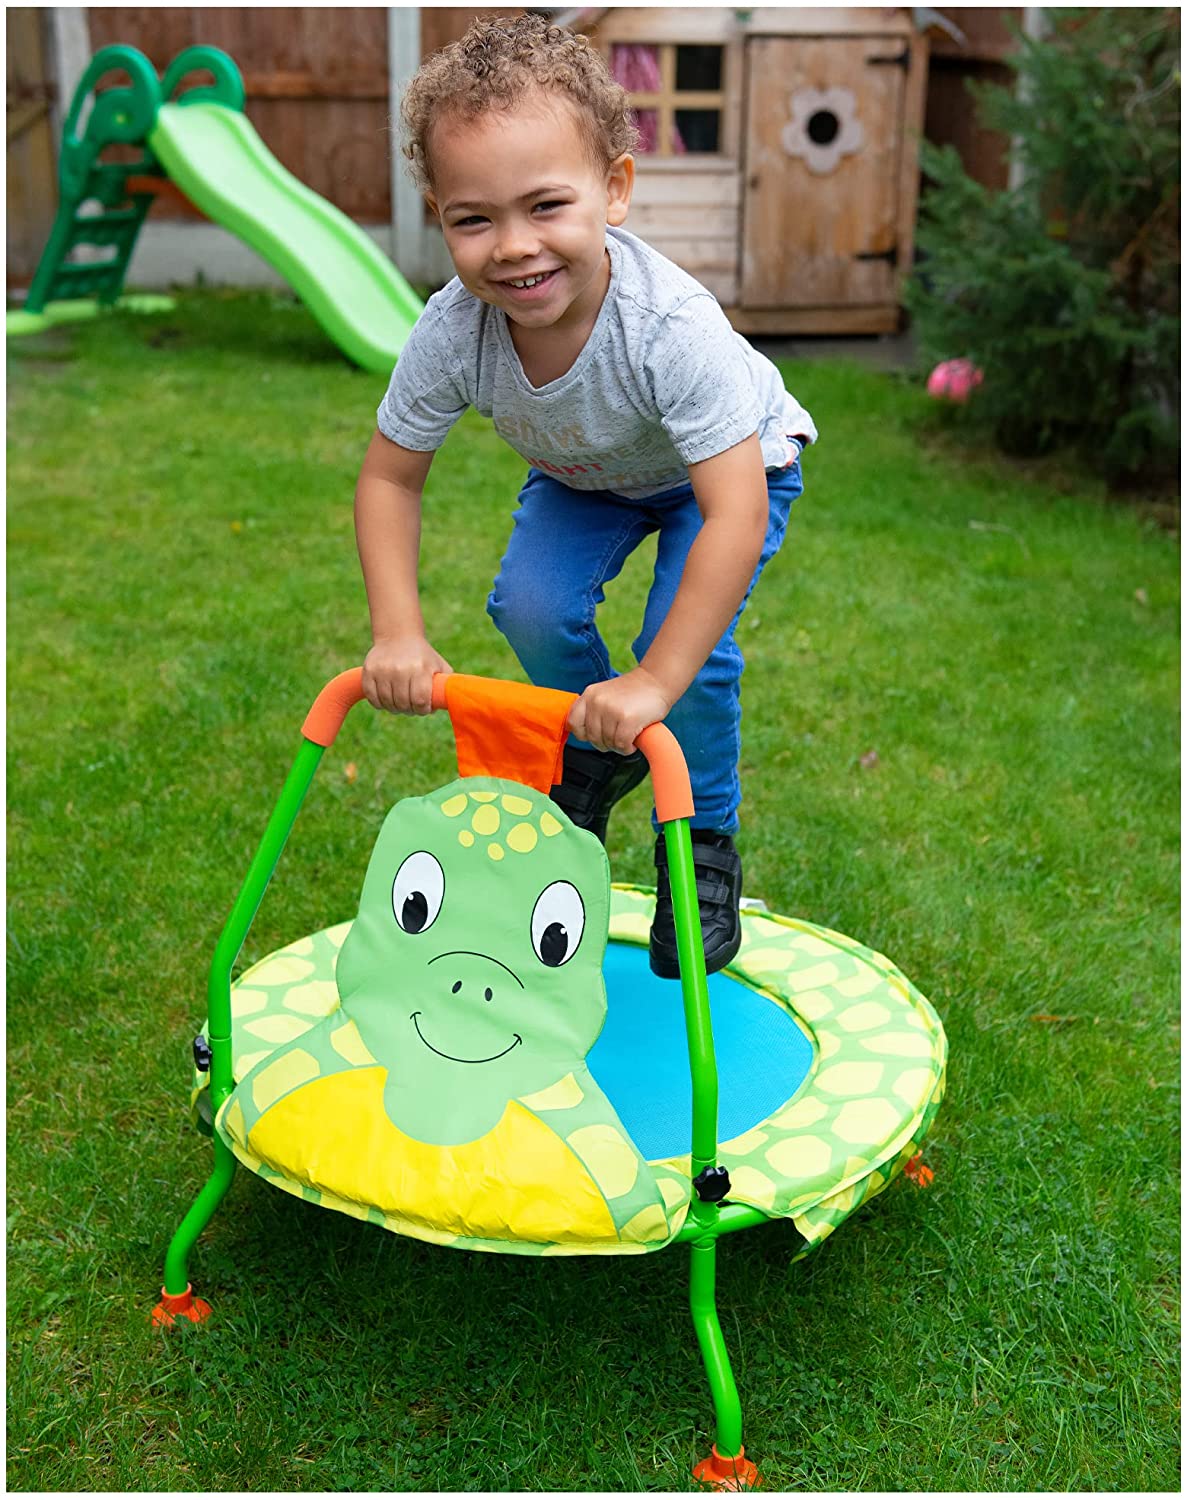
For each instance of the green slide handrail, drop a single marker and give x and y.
(119, 115)
(228, 87)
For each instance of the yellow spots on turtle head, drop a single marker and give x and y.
(521, 838)
(489, 813)
(487, 820)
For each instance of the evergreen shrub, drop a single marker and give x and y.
(1065, 289)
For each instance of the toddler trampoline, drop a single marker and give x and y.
(482, 1058)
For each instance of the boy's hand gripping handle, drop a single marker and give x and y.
(668, 768)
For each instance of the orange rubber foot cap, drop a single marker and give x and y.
(719, 1473)
(184, 1305)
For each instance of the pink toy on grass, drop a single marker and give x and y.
(953, 380)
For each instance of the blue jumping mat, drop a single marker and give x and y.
(640, 1058)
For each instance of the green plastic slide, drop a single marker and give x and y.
(217, 159)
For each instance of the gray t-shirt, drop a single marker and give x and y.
(664, 381)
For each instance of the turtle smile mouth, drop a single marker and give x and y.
(517, 1042)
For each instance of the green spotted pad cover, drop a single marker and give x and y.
(870, 1097)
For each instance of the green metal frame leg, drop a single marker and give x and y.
(728, 1426)
(176, 1261)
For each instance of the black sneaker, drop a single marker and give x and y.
(594, 781)
(718, 880)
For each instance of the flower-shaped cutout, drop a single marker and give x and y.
(822, 128)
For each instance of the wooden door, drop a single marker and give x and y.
(824, 129)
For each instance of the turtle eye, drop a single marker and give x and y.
(417, 892)
(557, 923)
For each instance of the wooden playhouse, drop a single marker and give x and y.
(781, 154)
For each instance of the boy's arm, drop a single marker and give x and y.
(733, 497)
(397, 671)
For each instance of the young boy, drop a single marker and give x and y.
(619, 381)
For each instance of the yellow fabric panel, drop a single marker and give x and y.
(334, 1134)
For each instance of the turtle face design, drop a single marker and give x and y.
(474, 969)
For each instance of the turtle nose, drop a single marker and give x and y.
(479, 967)
(456, 988)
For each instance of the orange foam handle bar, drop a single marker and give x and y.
(333, 702)
(668, 767)
(668, 772)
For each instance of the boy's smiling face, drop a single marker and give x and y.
(524, 206)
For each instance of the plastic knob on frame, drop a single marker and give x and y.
(202, 1054)
(713, 1184)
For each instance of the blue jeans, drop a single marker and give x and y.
(565, 546)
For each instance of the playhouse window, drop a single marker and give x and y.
(676, 93)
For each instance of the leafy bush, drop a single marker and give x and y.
(1065, 290)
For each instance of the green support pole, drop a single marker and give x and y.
(728, 1425)
(688, 934)
(242, 914)
(703, 1221)
(176, 1261)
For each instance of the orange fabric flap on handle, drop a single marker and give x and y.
(508, 729)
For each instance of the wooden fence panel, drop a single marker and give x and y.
(448, 23)
(29, 155)
(316, 80)
(951, 117)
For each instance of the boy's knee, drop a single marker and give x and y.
(529, 621)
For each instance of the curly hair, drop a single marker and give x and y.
(497, 62)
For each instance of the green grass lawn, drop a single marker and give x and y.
(182, 580)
